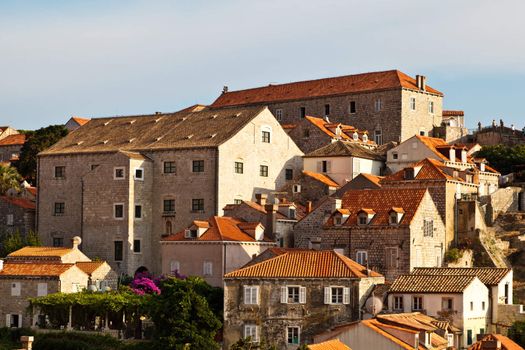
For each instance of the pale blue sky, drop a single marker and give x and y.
(102, 57)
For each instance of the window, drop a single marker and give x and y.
(198, 166)
(293, 295)
(197, 204)
(279, 114)
(363, 219)
(471, 306)
(352, 107)
(10, 220)
(482, 331)
(237, 201)
(169, 205)
(422, 133)
(431, 107)
(469, 336)
(139, 174)
(412, 103)
(378, 105)
(94, 166)
(41, 290)
(168, 229)
(118, 250)
(393, 218)
(174, 266)
(336, 295)
(450, 339)
(118, 211)
(325, 166)
(326, 109)
(207, 268)
(447, 304)
(239, 167)
(296, 188)
(266, 136)
(58, 242)
(306, 133)
(59, 208)
(338, 220)
(378, 137)
(193, 233)
(302, 112)
(291, 213)
(169, 167)
(483, 305)
(288, 174)
(293, 335)
(15, 321)
(251, 295)
(263, 170)
(16, 288)
(361, 257)
(417, 303)
(250, 331)
(136, 246)
(428, 228)
(398, 303)
(60, 172)
(395, 155)
(391, 257)
(138, 211)
(118, 173)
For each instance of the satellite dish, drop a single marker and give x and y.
(374, 305)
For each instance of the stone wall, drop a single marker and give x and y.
(23, 219)
(7, 152)
(501, 201)
(309, 229)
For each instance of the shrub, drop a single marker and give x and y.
(453, 255)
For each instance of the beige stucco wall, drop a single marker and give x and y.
(344, 169)
(409, 152)
(420, 119)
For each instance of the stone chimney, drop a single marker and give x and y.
(260, 198)
(225, 89)
(271, 218)
(336, 204)
(315, 243)
(76, 241)
(421, 82)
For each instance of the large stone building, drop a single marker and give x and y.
(289, 298)
(122, 182)
(391, 105)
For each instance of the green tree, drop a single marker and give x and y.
(247, 344)
(9, 178)
(183, 316)
(37, 141)
(14, 241)
(503, 158)
(517, 332)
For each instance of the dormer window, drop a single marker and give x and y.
(355, 136)
(191, 233)
(363, 220)
(338, 220)
(395, 216)
(365, 138)
(291, 213)
(365, 216)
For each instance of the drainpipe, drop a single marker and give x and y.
(82, 209)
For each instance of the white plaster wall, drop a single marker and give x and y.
(414, 150)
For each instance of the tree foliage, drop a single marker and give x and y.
(37, 141)
(14, 241)
(503, 158)
(517, 333)
(247, 344)
(9, 178)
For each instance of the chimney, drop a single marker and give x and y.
(271, 218)
(75, 242)
(315, 243)
(336, 204)
(308, 207)
(421, 82)
(260, 198)
(1, 264)
(225, 89)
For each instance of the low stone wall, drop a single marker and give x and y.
(501, 201)
(508, 315)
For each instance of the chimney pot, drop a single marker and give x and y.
(225, 89)
(76, 241)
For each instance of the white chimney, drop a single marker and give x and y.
(1, 264)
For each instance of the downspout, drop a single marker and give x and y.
(37, 194)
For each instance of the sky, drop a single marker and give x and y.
(105, 57)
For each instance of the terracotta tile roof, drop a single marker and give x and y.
(373, 178)
(488, 275)
(450, 113)
(381, 201)
(305, 264)
(178, 130)
(80, 121)
(325, 179)
(32, 190)
(433, 143)
(431, 169)
(89, 266)
(13, 140)
(289, 126)
(41, 252)
(334, 344)
(19, 202)
(342, 85)
(506, 343)
(34, 269)
(345, 149)
(221, 228)
(379, 328)
(431, 283)
(413, 320)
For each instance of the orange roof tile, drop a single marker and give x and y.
(80, 121)
(431, 169)
(221, 228)
(19, 202)
(325, 179)
(506, 343)
(34, 269)
(334, 344)
(289, 126)
(89, 266)
(433, 143)
(305, 264)
(373, 178)
(349, 84)
(32, 190)
(452, 113)
(13, 140)
(488, 275)
(431, 283)
(377, 326)
(381, 201)
(41, 252)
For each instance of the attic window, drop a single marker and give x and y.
(363, 219)
(131, 140)
(189, 136)
(338, 220)
(355, 136)
(131, 121)
(393, 218)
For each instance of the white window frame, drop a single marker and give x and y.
(279, 114)
(412, 103)
(115, 211)
(207, 268)
(268, 129)
(285, 294)
(115, 173)
(288, 328)
(296, 188)
(16, 289)
(378, 105)
(174, 266)
(251, 330)
(41, 290)
(398, 303)
(328, 295)
(10, 219)
(141, 178)
(359, 257)
(251, 295)
(378, 137)
(419, 304)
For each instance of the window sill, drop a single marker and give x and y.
(197, 211)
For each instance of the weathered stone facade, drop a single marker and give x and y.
(16, 215)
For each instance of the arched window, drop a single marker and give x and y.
(168, 230)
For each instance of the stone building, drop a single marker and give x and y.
(37, 271)
(75, 122)
(10, 147)
(278, 217)
(389, 230)
(287, 299)
(213, 248)
(391, 105)
(122, 182)
(452, 128)
(17, 214)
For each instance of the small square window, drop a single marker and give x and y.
(395, 156)
(169, 167)
(352, 107)
(288, 174)
(198, 166)
(266, 137)
(197, 205)
(169, 205)
(263, 171)
(60, 172)
(118, 211)
(59, 209)
(138, 211)
(361, 257)
(119, 173)
(239, 167)
(337, 295)
(58, 241)
(136, 246)
(118, 250)
(139, 174)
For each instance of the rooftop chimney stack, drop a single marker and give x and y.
(260, 198)
(271, 218)
(225, 89)
(421, 82)
(76, 241)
